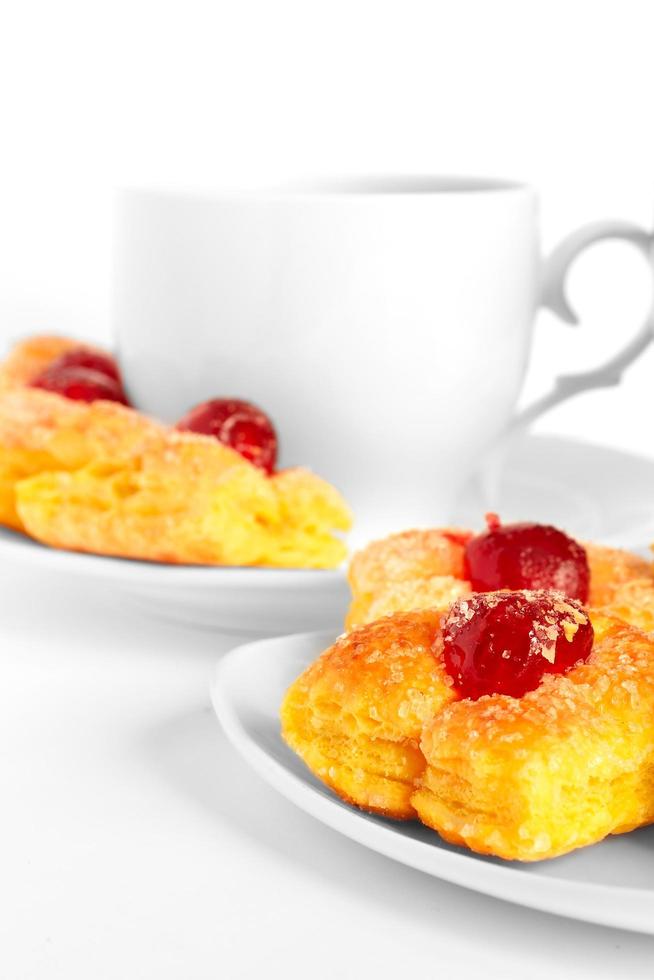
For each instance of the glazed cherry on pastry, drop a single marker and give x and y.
(526, 556)
(86, 358)
(504, 642)
(81, 384)
(237, 424)
(83, 375)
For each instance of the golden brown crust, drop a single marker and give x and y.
(611, 568)
(633, 601)
(565, 765)
(356, 714)
(427, 561)
(104, 478)
(438, 592)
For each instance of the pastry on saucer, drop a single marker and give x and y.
(498, 707)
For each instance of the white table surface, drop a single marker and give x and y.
(135, 843)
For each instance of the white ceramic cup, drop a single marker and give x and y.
(384, 325)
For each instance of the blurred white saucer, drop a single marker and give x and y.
(247, 602)
(592, 492)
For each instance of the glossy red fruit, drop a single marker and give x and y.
(526, 556)
(81, 384)
(83, 357)
(504, 642)
(237, 424)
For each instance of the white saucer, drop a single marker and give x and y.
(247, 602)
(609, 883)
(592, 492)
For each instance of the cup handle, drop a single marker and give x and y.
(554, 298)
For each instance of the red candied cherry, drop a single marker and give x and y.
(526, 556)
(84, 375)
(86, 358)
(504, 642)
(81, 384)
(237, 424)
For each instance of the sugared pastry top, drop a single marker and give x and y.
(409, 570)
(517, 724)
(83, 471)
(424, 569)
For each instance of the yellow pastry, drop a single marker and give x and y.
(104, 478)
(561, 767)
(415, 569)
(355, 716)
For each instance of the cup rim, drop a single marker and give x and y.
(346, 187)
(386, 185)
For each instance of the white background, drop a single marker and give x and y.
(94, 95)
(559, 94)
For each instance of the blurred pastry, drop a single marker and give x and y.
(101, 477)
(28, 358)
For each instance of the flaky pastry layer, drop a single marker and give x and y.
(356, 715)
